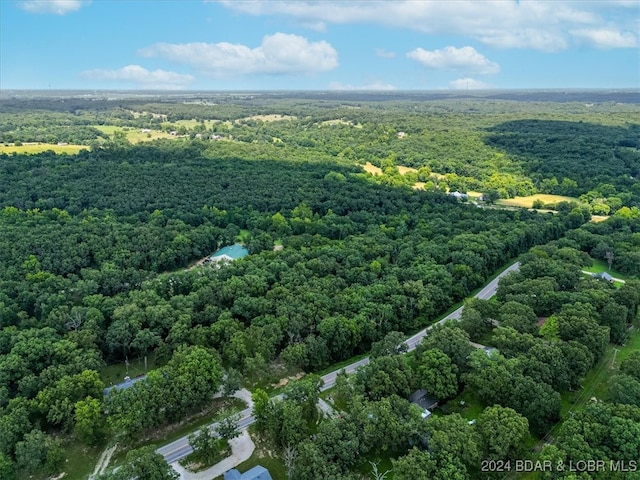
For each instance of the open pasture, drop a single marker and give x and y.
(41, 147)
(527, 202)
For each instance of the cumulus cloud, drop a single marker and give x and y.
(606, 38)
(58, 7)
(468, 84)
(537, 24)
(382, 53)
(156, 79)
(378, 86)
(279, 54)
(465, 59)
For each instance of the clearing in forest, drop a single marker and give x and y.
(527, 202)
(41, 147)
(134, 135)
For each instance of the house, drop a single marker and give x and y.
(228, 254)
(256, 473)
(401, 134)
(422, 399)
(603, 276)
(459, 196)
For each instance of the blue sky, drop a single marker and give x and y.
(319, 45)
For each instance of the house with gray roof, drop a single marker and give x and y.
(256, 473)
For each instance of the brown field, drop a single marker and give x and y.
(372, 169)
(527, 202)
(599, 218)
(42, 147)
(404, 170)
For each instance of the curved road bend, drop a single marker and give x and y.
(180, 448)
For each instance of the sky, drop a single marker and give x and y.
(319, 45)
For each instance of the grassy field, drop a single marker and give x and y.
(134, 135)
(527, 202)
(42, 147)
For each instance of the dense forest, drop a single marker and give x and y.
(98, 268)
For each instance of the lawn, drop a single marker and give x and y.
(527, 202)
(42, 147)
(601, 266)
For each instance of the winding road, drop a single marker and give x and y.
(180, 448)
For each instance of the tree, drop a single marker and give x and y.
(7, 467)
(141, 463)
(206, 444)
(420, 465)
(472, 322)
(624, 389)
(90, 423)
(232, 382)
(437, 374)
(261, 408)
(305, 392)
(386, 376)
(452, 435)
(228, 427)
(452, 340)
(631, 365)
(502, 431)
(37, 450)
(393, 343)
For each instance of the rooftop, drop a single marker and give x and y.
(234, 252)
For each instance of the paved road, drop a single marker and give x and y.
(180, 448)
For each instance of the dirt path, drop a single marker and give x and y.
(103, 461)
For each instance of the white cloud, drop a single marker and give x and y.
(378, 86)
(382, 53)
(156, 79)
(58, 7)
(468, 84)
(606, 38)
(465, 59)
(537, 24)
(279, 54)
